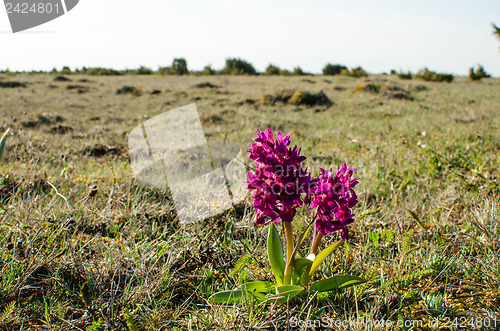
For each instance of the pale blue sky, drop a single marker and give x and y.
(446, 36)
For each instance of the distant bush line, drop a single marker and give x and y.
(237, 66)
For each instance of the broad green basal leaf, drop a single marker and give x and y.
(234, 296)
(336, 282)
(300, 263)
(275, 253)
(258, 289)
(286, 292)
(322, 256)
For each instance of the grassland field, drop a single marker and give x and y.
(83, 247)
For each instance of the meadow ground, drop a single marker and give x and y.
(88, 249)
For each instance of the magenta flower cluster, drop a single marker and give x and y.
(280, 185)
(334, 197)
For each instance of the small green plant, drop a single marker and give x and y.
(130, 320)
(99, 325)
(333, 69)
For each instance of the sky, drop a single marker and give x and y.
(445, 36)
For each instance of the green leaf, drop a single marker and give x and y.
(336, 282)
(258, 289)
(2, 142)
(322, 256)
(275, 253)
(300, 263)
(286, 292)
(233, 296)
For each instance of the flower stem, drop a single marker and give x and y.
(289, 254)
(317, 241)
(313, 239)
(314, 250)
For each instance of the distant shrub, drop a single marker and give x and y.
(166, 71)
(12, 84)
(238, 67)
(393, 72)
(298, 72)
(208, 71)
(356, 72)
(272, 70)
(405, 75)
(478, 74)
(179, 66)
(143, 71)
(431, 76)
(333, 69)
(66, 71)
(285, 72)
(102, 72)
(496, 30)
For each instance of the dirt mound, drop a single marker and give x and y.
(395, 92)
(43, 119)
(206, 85)
(78, 88)
(296, 97)
(367, 87)
(99, 150)
(12, 84)
(62, 79)
(310, 99)
(129, 90)
(60, 129)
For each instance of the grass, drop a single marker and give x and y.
(91, 250)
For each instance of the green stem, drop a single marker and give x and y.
(314, 250)
(314, 238)
(317, 241)
(289, 253)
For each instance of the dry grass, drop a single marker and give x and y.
(90, 250)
